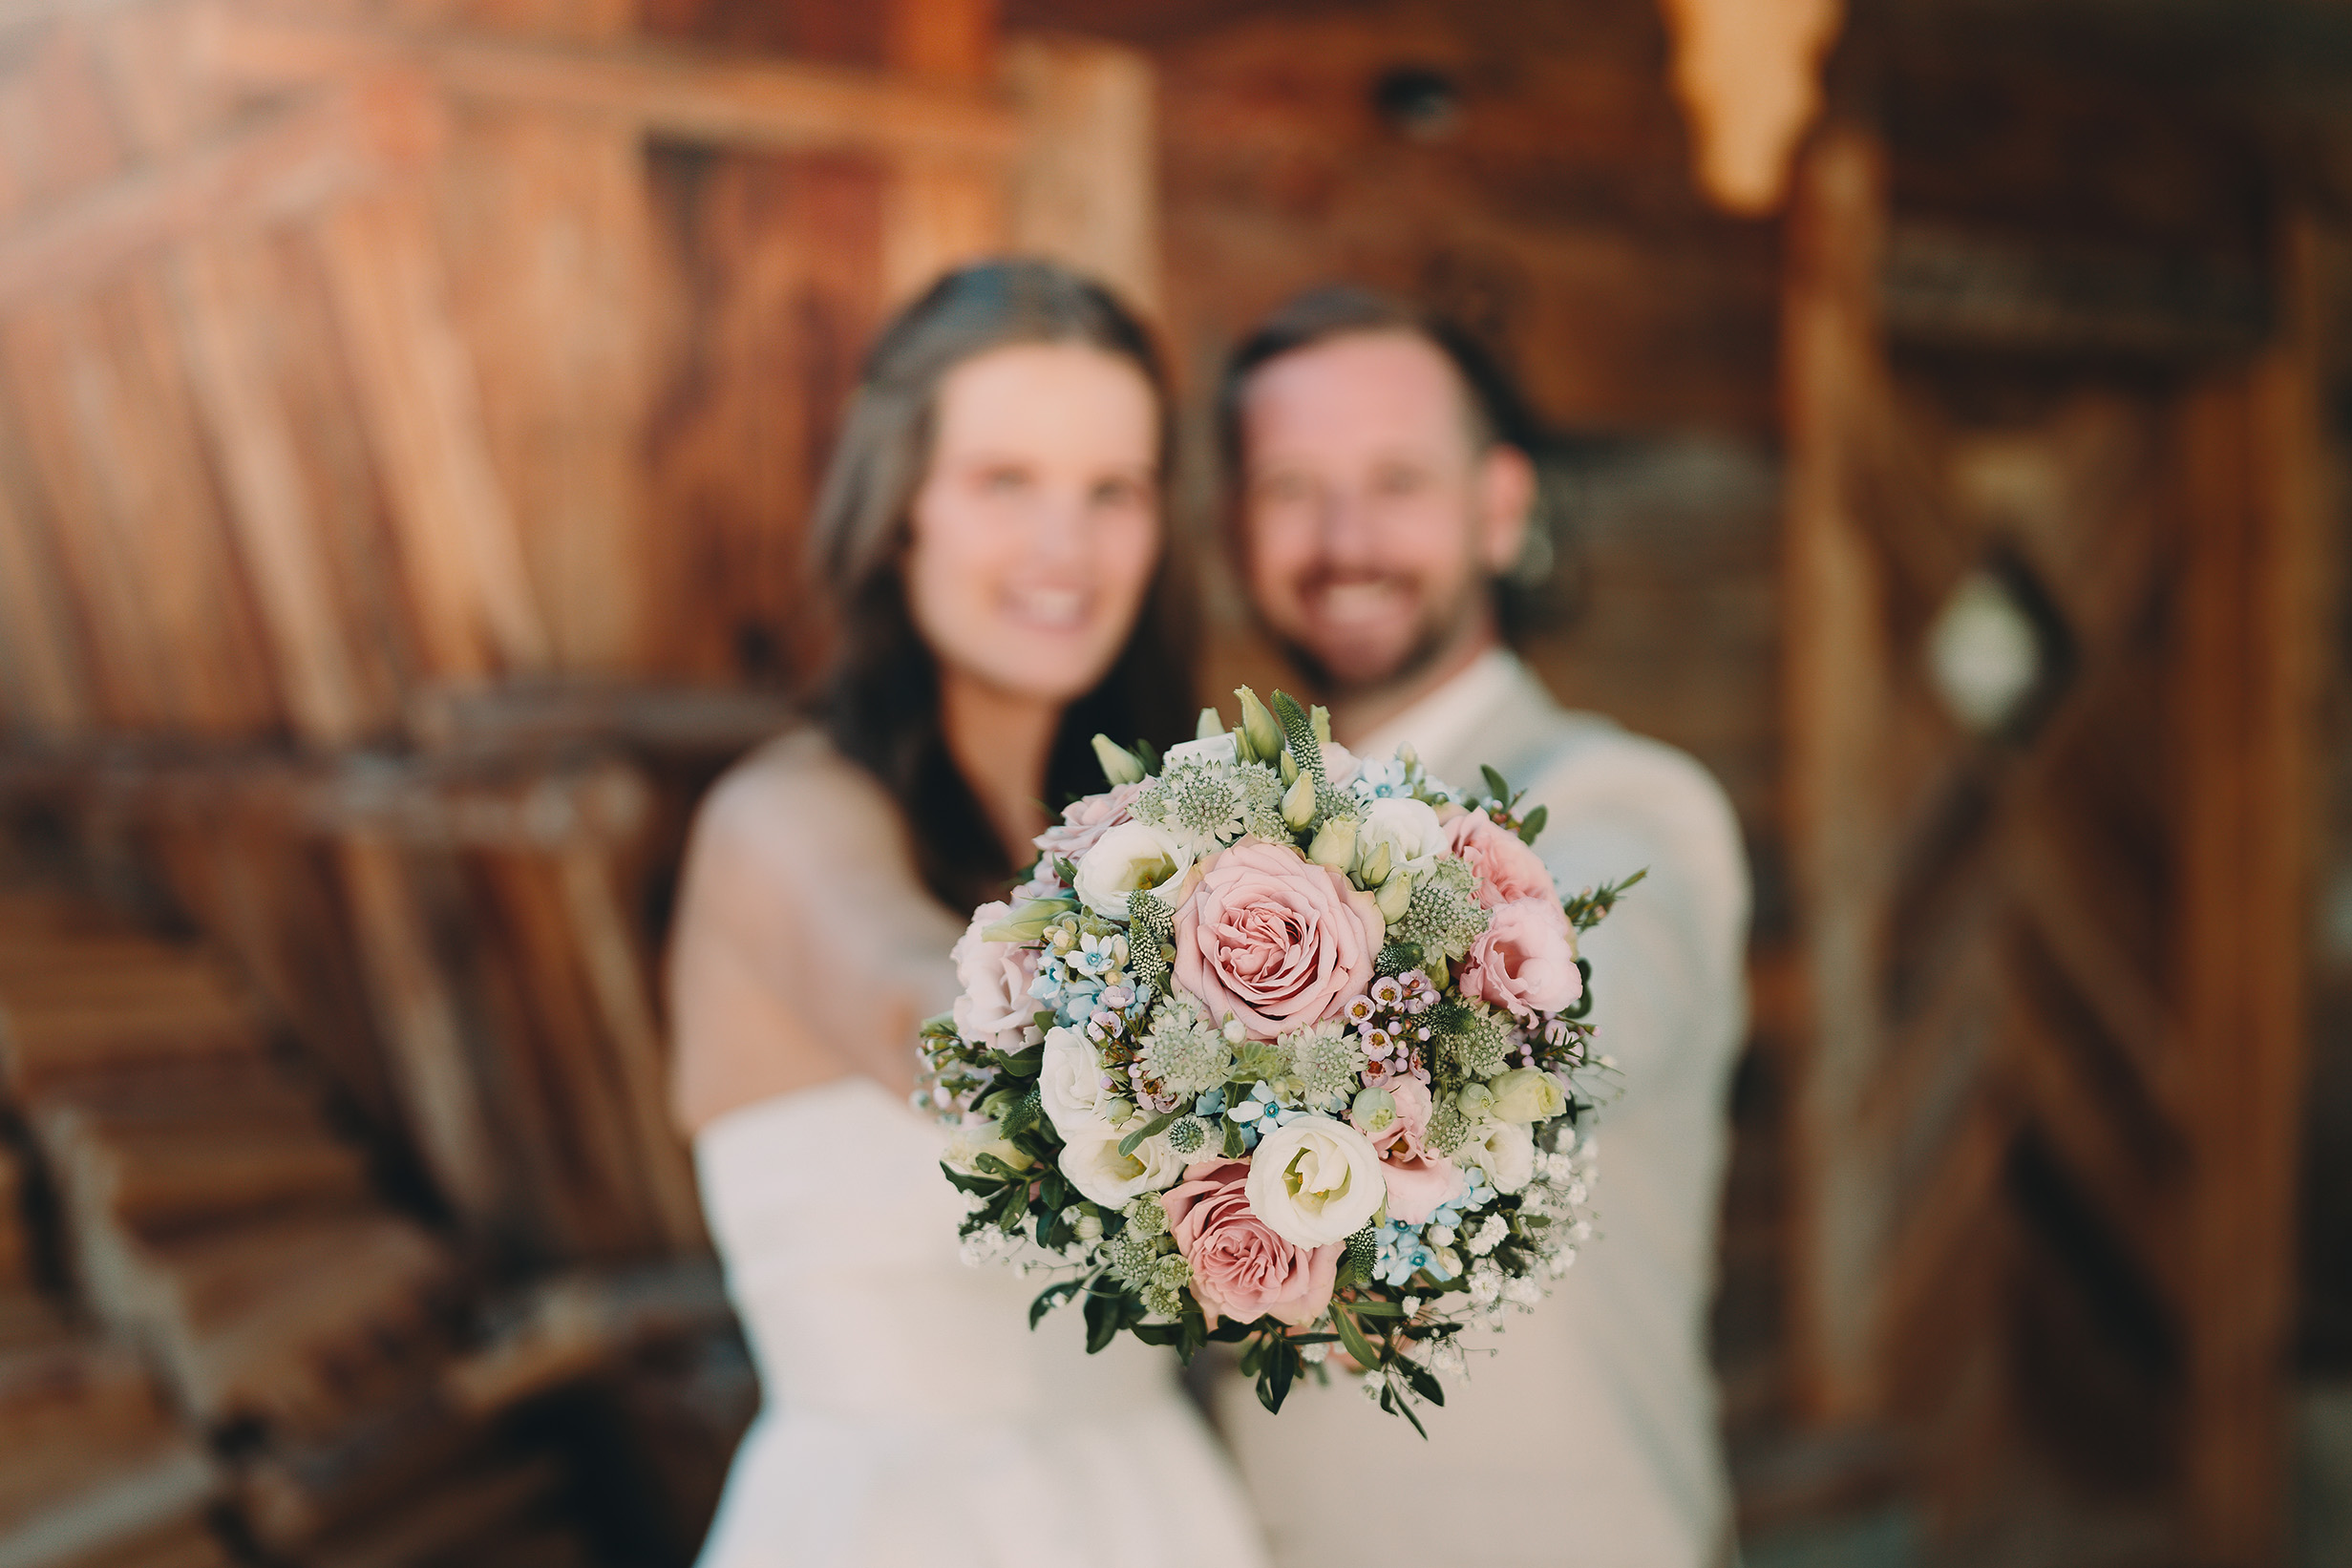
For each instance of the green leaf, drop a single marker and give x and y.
(1404, 1408)
(1423, 1382)
(1022, 1063)
(1532, 823)
(1377, 1309)
(1281, 1364)
(995, 1167)
(1158, 1124)
(1234, 1148)
(984, 1186)
(1229, 1332)
(1158, 1333)
(1352, 1338)
(1102, 1320)
(1065, 869)
(1494, 785)
(1194, 1336)
(1051, 1297)
(1585, 998)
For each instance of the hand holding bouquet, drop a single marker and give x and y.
(1279, 1047)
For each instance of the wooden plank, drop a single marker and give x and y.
(419, 1022)
(1834, 702)
(468, 583)
(2247, 696)
(1086, 188)
(289, 165)
(39, 647)
(155, 1493)
(138, 435)
(672, 94)
(616, 973)
(939, 209)
(218, 297)
(568, 304)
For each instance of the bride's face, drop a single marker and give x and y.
(1035, 532)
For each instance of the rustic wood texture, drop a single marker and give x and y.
(2032, 1091)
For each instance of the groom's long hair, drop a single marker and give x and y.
(879, 698)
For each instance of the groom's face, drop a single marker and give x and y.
(1372, 517)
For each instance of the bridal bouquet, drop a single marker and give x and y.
(1281, 1047)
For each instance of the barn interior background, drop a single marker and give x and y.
(408, 408)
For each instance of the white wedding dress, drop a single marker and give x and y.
(911, 1417)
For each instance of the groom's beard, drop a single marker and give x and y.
(1439, 631)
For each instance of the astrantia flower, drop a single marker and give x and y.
(1205, 806)
(1445, 915)
(1185, 1053)
(1327, 1061)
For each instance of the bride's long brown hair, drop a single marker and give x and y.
(879, 698)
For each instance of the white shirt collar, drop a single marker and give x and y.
(1443, 723)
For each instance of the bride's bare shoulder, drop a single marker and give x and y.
(792, 796)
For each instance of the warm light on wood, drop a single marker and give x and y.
(1747, 74)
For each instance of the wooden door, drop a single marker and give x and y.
(2050, 670)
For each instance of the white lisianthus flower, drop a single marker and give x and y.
(1315, 1180)
(966, 1145)
(1131, 855)
(1091, 1160)
(1410, 830)
(1070, 1085)
(1504, 1150)
(1526, 1094)
(1217, 748)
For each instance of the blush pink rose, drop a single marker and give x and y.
(1506, 867)
(1082, 823)
(996, 1008)
(1419, 1178)
(1273, 939)
(1525, 960)
(1241, 1269)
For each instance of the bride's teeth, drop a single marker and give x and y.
(1050, 607)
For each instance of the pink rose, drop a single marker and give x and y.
(1242, 1269)
(1506, 867)
(996, 1008)
(1084, 821)
(1273, 939)
(1525, 960)
(1419, 1178)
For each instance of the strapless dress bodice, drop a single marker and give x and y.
(911, 1415)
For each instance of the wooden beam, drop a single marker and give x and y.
(1835, 701)
(1086, 188)
(468, 586)
(431, 1065)
(268, 503)
(2247, 700)
(671, 93)
(286, 165)
(416, 804)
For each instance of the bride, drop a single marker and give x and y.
(992, 534)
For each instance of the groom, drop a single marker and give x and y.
(1376, 501)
